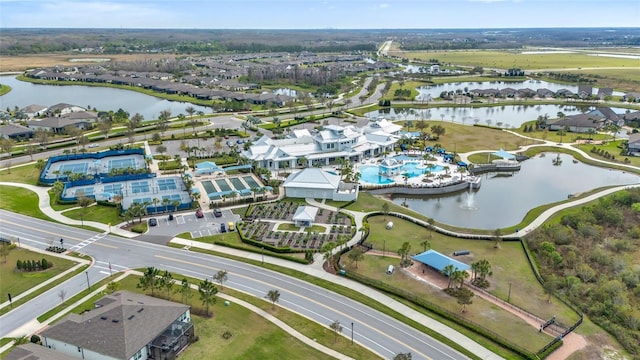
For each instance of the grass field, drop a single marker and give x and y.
(612, 148)
(21, 201)
(515, 58)
(97, 213)
(15, 282)
(482, 312)
(27, 174)
(509, 264)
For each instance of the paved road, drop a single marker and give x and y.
(372, 329)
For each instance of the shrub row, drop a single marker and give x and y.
(33, 265)
(257, 251)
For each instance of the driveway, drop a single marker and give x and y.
(187, 222)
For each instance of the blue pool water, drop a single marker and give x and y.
(370, 173)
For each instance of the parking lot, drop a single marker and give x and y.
(188, 222)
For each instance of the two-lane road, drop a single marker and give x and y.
(372, 329)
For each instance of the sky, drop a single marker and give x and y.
(318, 14)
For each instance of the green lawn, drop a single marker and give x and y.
(15, 282)
(21, 201)
(509, 263)
(612, 148)
(27, 174)
(482, 312)
(98, 213)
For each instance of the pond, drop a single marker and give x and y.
(509, 116)
(25, 93)
(505, 198)
(435, 90)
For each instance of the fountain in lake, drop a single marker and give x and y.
(470, 203)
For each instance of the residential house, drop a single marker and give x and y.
(631, 97)
(581, 123)
(606, 113)
(631, 116)
(564, 93)
(62, 109)
(319, 184)
(16, 132)
(57, 124)
(604, 92)
(584, 91)
(633, 144)
(33, 110)
(31, 351)
(124, 326)
(544, 93)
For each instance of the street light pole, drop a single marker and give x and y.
(88, 285)
(352, 333)
(509, 296)
(262, 253)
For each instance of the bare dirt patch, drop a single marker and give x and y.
(25, 62)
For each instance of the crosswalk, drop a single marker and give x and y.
(89, 241)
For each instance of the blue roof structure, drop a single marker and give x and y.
(505, 155)
(438, 261)
(207, 167)
(462, 164)
(238, 167)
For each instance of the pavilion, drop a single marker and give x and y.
(438, 261)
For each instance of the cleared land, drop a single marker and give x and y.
(21, 63)
(515, 58)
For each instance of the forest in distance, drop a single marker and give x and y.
(26, 41)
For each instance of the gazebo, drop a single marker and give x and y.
(390, 167)
(504, 155)
(208, 167)
(438, 261)
(305, 215)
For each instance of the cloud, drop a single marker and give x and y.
(383, 6)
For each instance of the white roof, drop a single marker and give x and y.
(312, 178)
(305, 213)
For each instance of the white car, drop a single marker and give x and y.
(93, 145)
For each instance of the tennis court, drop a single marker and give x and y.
(237, 184)
(166, 184)
(138, 187)
(223, 185)
(77, 168)
(123, 163)
(251, 182)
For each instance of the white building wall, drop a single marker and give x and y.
(74, 351)
(309, 193)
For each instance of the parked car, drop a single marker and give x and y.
(153, 222)
(217, 212)
(199, 214)
(223, 228)
(170, 217)
(93, 145)
(232, 226)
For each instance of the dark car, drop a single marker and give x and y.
(223, 228)
(217, 212)
(170, 217)
(153, 222)
(199, 214)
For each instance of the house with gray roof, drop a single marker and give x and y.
(581, 123)
(124, 326)
(63, 108)
(633, 144)
(31, 351)
(33, 110)
(15, 131)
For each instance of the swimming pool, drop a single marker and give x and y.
(371, 173)
(208, 187)
(223, 185)
(252, 183)
(237, 184)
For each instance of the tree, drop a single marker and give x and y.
(185, 290)
(425, 245)
(403, 356)
(221, 277)
(385, 210)
(448, 271)
(404, 253)
(497, 238)
(356, 255)
(149, 280)
(42, 137)
(167, 283)
(208, 293)
(273, 296)
(337, 328)
(6, 145)
(465, 297)
(549, 286)
(84, 202)
(112, 287)
(4, 251)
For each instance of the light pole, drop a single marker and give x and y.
(509, 296)
(88, 285)
(384, 246)
(262, 253)
(352, 333)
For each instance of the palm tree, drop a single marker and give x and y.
(404, 252)
(185, 290)
(448, 272)
(385, 210)
(165, 202)
(425, 244)
(273, 296)
(208, 293)
(155, 205)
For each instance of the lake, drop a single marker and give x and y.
(25, 93)
(505, 198)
